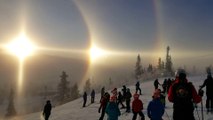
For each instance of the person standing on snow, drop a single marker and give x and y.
(120, 100)
(47, 110)
(104, 102)
(137, 107)
(155, 109)
(85, 99)
(128, 100)
(156, 83)
(93, 96)
(208, 83)
(183, 94)
(137, 85)
(112, 109)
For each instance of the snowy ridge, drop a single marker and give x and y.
(74, 111)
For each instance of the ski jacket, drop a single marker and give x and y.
(47, 109)
(137, 105)
(155, 109)
(104, 101)
(128, 96)
(112, 111)
(173, 95)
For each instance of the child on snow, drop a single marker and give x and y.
(155, 109)
(112, 109)
(137, 107)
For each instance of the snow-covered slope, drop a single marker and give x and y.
(74, 111)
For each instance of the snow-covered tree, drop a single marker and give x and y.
(11, 108)
(138, 68)
(63, 87)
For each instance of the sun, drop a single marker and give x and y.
(21, 47)
(96, 53)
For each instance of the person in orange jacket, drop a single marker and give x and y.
(183, 95)
(137, 107)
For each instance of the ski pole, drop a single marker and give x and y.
(167, 115)
(197, 112)
(202, 109)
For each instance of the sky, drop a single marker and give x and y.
(73, 110)
(120, 28)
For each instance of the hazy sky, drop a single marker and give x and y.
(120, 26)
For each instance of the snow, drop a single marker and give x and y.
(74, 111)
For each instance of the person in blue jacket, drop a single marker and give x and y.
(155, 109)
(112, 109)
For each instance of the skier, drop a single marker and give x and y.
(112, 109)
(124, 92)
(128, 99)
(85, 99)
(102, 92)
(137, 85)
(156, 83)
(104, 102)
(47, 110)
(164, 85)
(119, 100)
(137, 107)
(208, 83)
(182, 93)
(155, 109)
(93, 96)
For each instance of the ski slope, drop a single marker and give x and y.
(74, 111)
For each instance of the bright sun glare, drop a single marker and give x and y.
(21, 47)
(96, 53)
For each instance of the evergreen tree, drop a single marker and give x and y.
(150, 68)
(11, 108)
(74, 91)
(63, 87)
(168, 66)
(138, 68)
(87, 86)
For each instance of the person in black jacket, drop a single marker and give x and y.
(209, 92)
(85, 99)
(47, 110)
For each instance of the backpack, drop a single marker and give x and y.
(183, 95)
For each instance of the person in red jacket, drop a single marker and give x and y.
(137, 107)
(104, 101)
(183, 94)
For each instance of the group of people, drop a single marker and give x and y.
(85, 97)
(181, 93)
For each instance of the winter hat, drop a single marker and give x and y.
(156, 94)
(136, 96)
(113, 99)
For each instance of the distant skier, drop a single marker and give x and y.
(112, 109)
(183, 94)
(128, 100)
(85, 99)
(155, 109)
(92, 96)
(104, 102)
(102, 92)
(120, 100)
(164, 85)
(156, 83)
(47, 110)
(208, 83)
(137, 107)
(124, 92)
(115, 93)
(137, 85)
